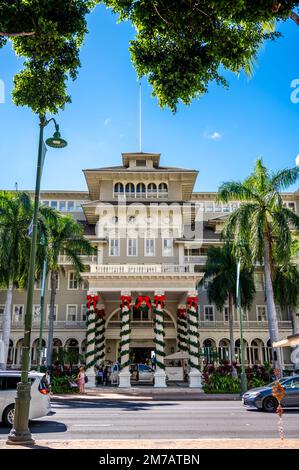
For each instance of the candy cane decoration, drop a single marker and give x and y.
(125, 331)
(159, 330)
(90, 355)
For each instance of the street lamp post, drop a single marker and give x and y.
(42, 304)
(20, 433)
(240, 313)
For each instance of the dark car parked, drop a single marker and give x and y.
(262, 398)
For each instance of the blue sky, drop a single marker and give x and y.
(221, 135)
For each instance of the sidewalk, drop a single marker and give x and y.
(149, 393)
(160, 444)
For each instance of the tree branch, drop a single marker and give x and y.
(295, 17)
(9, 35)
(163, 19)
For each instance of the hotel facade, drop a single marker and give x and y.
(151, 232)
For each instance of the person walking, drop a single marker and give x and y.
(105, 375)
(81, 380)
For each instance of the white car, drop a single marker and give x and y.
(40, 395)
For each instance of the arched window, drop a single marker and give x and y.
(118, 188)
(163, 190)
(256, 351)
(209, 350)
(223, 350)
(130, 190)
(152, 190)
(140, 190)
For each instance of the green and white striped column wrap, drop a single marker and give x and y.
(193, 334)
(182, 328)
(100, 336)
(125, 331)
(90, 355)
(159, 330)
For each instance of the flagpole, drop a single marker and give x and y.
(140, 116)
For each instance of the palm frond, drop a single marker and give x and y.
(235, 191)
(284, 178)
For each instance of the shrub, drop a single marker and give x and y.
(62, 384)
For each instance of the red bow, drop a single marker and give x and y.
(126, 300)
(192, 301)
(141, 299)
(101, 313)
(182, 313)
(92, 299)
(159, 299)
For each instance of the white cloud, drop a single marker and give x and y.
(214, 135)
(107, 121)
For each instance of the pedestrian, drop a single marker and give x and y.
(99, 375)
(81, 380)
(48, 378)
(105, 375)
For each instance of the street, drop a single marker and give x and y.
(95, 418)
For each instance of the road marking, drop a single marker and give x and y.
(89, 425)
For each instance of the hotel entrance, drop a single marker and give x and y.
(142, 355)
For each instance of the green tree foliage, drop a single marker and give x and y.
(67, 237)
(183, 45)
(16, 212)
(48, 35)
(263, 224)
(221, 272)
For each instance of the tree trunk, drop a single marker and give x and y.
(51, 318)
(295, 17)
(6, 323)
(231, 335)
(292, 315)
(272, 317)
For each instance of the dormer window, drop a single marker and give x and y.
(152, 190)
(163, 190)
(140, 190)
(130, 190)
(140, 162)
(118, 188)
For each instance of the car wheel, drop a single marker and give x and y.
(8, 415)
(270, 404)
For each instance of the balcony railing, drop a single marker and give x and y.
(203, 324)
(202, 259)
(142, 269)
(85, 259)
(57, 324)
(247, 325)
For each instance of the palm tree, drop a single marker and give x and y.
(66, 236)
(221, 271)
(265, 224)
(16, 210)
(286, 290)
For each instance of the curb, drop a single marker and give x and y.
(129, 394)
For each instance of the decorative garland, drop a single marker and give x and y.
(193, 334)
(125, 331)
(159, 330)
(182, 330)
(90, 355)
(143, 304)
(100, 336)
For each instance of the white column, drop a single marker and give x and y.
(160, 375)
(90, 347)
(125, 375)
(100, 336)
(181, 254)
(192, 317)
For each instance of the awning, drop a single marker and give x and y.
(290, 341)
